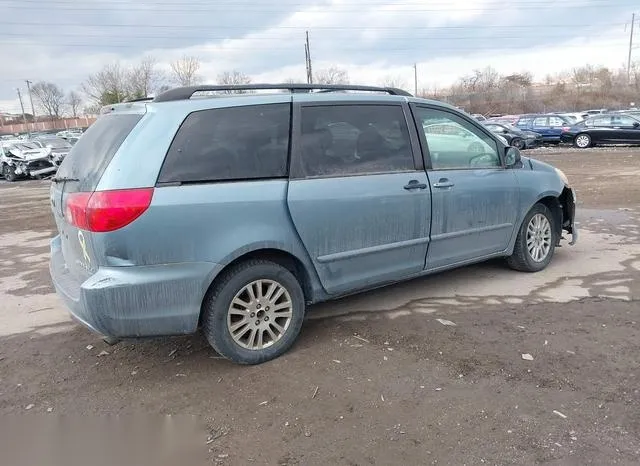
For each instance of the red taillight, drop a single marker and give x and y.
(104, 211)
(565, 129)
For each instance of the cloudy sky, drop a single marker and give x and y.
(63, 41)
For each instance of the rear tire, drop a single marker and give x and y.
(582, 141)
(254, 312)
(9, 173)
(536, 241)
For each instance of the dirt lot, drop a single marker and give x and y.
(374, 379)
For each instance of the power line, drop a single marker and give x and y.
(281, 38)
(298, 3)
(211, 9)
(292, 47)
(303, 28)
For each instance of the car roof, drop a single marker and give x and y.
(211, 101)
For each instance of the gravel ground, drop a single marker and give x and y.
(380, 378)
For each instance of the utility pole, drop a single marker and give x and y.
(415, 79)
(24, 117)
(307, 48)
(633, 22)
(306, 61)
(33, 110)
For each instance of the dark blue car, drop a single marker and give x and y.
(550, 126)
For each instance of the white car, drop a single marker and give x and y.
(59, 148)
(19, 158)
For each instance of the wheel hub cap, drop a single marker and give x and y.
(539, 237)
(259, 314)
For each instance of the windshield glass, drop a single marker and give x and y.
(55, 143)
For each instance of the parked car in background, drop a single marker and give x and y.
(574, 117)
(510, 119)
(59, 148)
(596, 111)
(549, 126)
(340, 192)
(71, 133)
(514, 136)
(614, 128)
(479, 117)
(24, 159)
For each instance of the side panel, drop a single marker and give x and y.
(209, 222)
(474, 217)
(362, 231)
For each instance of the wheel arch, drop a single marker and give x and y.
(304, 274)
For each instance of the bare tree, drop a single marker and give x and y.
(230, 78)
(394, 81)
(74, 100)
(185, 70)
(332, 75)
(50, 97)
(145, 78)
(107, 86)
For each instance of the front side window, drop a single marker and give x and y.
(226, 144)
(345, 140)
(454, 143)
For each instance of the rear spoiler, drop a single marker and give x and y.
(122, 106)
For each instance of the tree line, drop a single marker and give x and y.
(488, 92)
(483, 91)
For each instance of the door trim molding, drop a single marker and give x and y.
(456, 234)
(370, 250)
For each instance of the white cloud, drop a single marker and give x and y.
(446, 38)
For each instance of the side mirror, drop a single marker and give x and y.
(636, 124)
(512, 157)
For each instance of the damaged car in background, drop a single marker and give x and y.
(59, 148)
(25, 159)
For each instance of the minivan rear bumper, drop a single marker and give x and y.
(136, 301)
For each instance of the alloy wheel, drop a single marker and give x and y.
(539, 237)
(259, 314)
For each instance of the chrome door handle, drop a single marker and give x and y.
(415, 184)
(443, 183)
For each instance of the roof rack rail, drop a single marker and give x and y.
(140, 99)
(184, 93)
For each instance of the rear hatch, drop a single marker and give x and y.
(75, 184)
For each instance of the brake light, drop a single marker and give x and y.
(565, 129)
(104, 211)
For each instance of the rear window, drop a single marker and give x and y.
(92, 153)
(227, 144)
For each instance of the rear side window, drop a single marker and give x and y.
(93, 152)
(540, 121)
(226, 144)
(344, 140)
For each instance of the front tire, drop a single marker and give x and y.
(254, 312)
(536, 241)
(9, 173)
(582, 141)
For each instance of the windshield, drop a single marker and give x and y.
(26, 146)
(55, 143)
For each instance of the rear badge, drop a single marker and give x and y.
(85, 253)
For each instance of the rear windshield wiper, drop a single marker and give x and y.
(62, 179)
